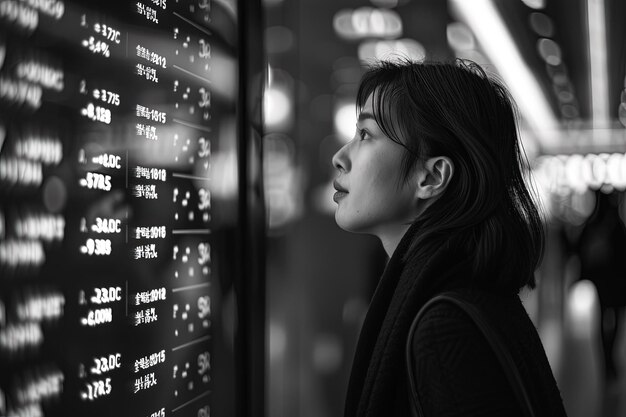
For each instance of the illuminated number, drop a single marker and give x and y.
(103, 315)
(98, 181)
(204, 306)
(98, 389)
(98, 226)
(205, 49)
(90, 111)
(83, 87)
(204, 147)
(98, 247)
(160, 413)
(105, 295)
(110, 97)
(107, 225)
(113, 161)
(105, 246)
(204, 412)
(97, 370)
(106, 364)
(97, 299)
(205, 98)
(115, 361)
(205, 199)
(83, 20)
(98, 113)
(204, 253)
(107, 386)
(90, 244)
(204, 362)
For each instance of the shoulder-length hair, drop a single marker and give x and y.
(486, 214)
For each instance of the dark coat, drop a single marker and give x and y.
(457, 374)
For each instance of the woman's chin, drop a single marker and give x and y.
(348, 224)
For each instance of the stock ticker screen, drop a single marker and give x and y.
(118, 201)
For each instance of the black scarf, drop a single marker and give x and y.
(378, 369)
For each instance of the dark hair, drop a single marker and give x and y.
(454, 109)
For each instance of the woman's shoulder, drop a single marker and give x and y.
(455, 367)
(446, 328)
(448, 347)
(492, 305)
(443, 324)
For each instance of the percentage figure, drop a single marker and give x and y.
(97, 47)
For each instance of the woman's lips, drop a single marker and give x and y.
(338, 187)
(341, 192)
(339, 195)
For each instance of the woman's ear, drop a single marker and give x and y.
(434, 176)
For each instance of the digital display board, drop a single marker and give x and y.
(120, 207)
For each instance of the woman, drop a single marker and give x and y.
(435, 171)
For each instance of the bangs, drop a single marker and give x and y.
(393, 109)
(386, 96)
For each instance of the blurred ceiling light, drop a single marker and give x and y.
(460, 37)
(573, 172)
(549, 51)
(561, 173)
(277, 340)
(535, 4)
(582, 303)
(367, 22)
(276, 106)
(489, 29)
(345, 121)
(327, 353)
(541, 24)
(278, 39)
(598, 63)
(390, 50)
(615, 170)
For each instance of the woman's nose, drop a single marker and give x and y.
(340, 159)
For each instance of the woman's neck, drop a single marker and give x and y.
(391, 236)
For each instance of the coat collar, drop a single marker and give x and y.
(406, 284)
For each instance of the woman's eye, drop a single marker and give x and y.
(363, 133)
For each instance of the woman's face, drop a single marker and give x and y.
(371, 196)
